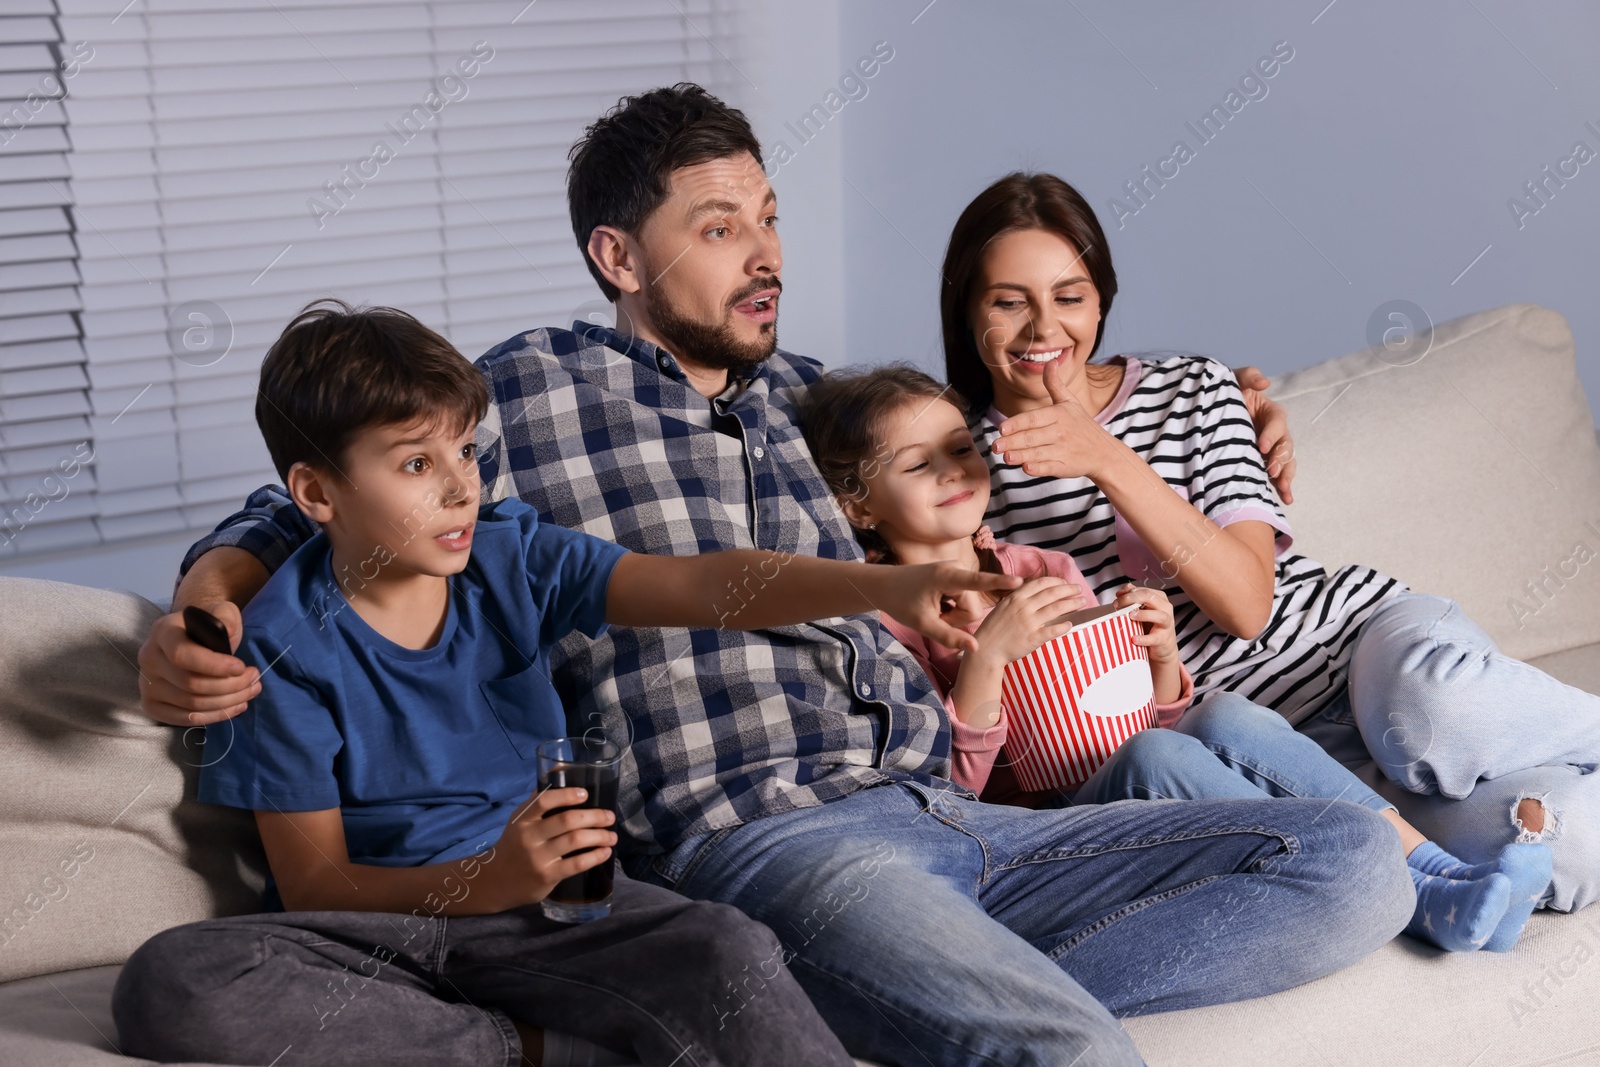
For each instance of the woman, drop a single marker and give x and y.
(1147, 470)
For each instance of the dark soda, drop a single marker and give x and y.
(593, 885)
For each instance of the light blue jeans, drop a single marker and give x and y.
(1434, 721)
(1456, 734)
(929, 927)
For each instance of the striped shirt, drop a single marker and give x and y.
(1185, 416)
(604, 433)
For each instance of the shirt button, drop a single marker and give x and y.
(866, 690)
(759, 451)
(664, 361)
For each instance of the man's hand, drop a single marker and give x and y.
(182, 684)
(534, 851)
(915, 595)
(1272, 430)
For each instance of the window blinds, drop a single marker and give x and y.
(44, 425)
(230, 161)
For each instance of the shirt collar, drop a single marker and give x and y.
(651, 354)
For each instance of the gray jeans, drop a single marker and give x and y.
(656, 979)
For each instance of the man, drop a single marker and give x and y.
(802, 773)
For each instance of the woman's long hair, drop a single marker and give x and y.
(1019, 201)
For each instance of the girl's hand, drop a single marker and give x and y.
(1058, 441)
(1027, 619)
(1160, 633)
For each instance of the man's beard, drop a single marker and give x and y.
(714, 345)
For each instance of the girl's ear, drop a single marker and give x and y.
(309, 488)
(856, 512)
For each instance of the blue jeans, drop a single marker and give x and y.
(1224, 747)
(1456, 734)
(930, 927)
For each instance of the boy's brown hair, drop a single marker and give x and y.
(337, 370)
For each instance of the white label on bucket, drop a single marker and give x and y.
(1122, 690)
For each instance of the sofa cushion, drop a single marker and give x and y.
(1411, 1004)
(1472, 473)
(62, 1020)
(101, 840)
(1575, 666)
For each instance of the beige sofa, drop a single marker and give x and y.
(1473, 472)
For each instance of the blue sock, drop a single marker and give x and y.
(1526, 863)
(1457, 914)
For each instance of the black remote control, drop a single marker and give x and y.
(206, 631)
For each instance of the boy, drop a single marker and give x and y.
(389, 756)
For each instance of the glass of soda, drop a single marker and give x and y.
(590, 763)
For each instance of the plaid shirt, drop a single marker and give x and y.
(604, 433)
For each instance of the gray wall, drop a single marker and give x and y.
(1389, 146)
(1382, 158)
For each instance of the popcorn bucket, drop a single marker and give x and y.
(1073, 700)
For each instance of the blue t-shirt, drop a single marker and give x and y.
(426, 752)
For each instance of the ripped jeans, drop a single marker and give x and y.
(1455, 734)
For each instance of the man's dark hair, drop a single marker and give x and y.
(622, 165)
(337, 370)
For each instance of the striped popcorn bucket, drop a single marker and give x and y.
(1073, 700)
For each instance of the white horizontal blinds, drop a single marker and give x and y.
(46, 487)
(235, 159)
(259, 108)
(117, 216)
(510, 257)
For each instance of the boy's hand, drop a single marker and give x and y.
(531, 855)
(1027, 619)
(1161, 634)
(914, 595)
(183, 684)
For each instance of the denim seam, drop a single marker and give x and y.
(508, 1034)
(437, 953)
(954, 822)
(686, 1057)
(1123, 912)
(1434, 624)
(1290, 843)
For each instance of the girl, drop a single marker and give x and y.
(895, 449)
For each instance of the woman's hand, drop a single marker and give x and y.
(1272, 430)
(1027, 619)
(1058, 441)
(1160, 635)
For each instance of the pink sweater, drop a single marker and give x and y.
(973, 749)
